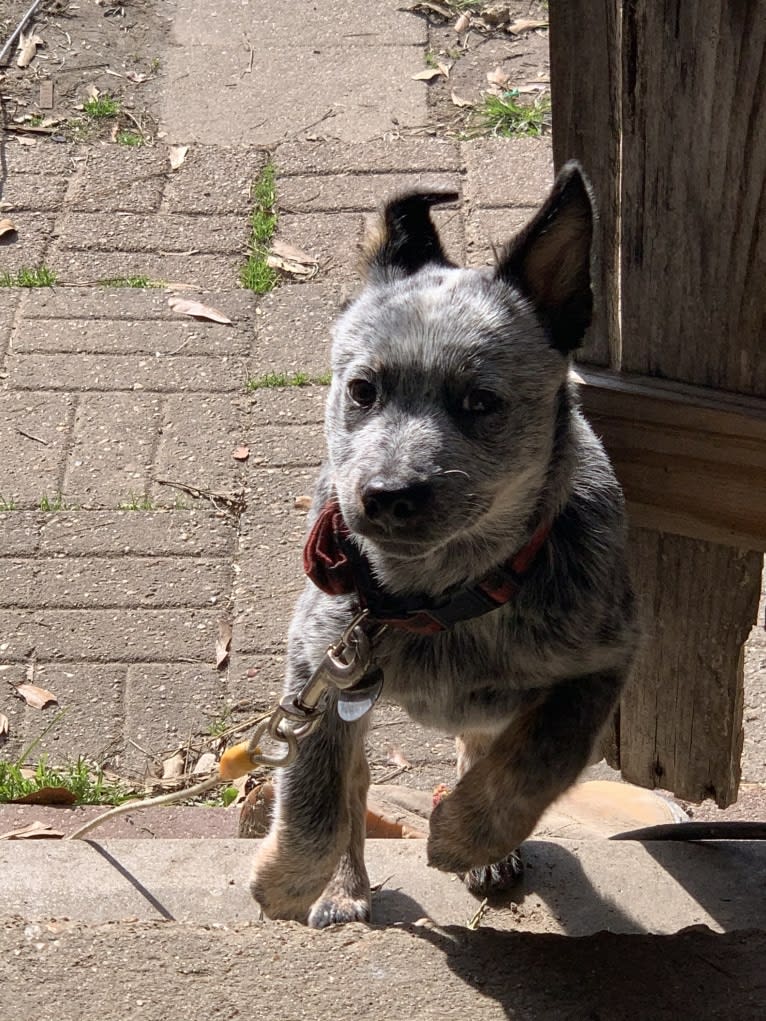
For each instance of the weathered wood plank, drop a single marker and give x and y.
(690, 462)
(586, 111)
(680, 721)
(693, 207)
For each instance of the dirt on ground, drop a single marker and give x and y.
(92, 70)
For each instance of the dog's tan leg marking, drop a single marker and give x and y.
(346, 898)
(498, 801)
(471, 746)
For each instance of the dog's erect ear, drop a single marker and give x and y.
(406, 238)
(550, 259)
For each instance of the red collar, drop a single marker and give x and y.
(336, 566)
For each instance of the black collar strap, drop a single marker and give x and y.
(336, 565)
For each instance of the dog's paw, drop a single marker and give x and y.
(338, 910)
(495, 880)
(461, 838)
(282, 888)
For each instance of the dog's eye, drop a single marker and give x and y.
(480, 402)
(362, 392)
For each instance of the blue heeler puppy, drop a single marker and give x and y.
(468, 506)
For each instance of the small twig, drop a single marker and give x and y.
(392, 775)
(234, 504)
(29, 436)
(476, 919)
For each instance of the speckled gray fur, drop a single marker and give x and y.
(529, 686)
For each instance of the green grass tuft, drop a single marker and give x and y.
(138, 281)
(101, 107)
(7, 504)
(256, 275)
(130, 138)
(137, 503)
(85, 782)
(55, 503)
(39, 276)
(505, 115)
(271, 380)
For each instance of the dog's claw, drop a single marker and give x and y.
(497, 879)
(337, 912)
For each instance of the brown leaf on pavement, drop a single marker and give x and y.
(37, 698)
(7, 227)
(289, 259)
(223, 644)
(498, 77)
(526, 25)
(34, 831)
(47, 796)
(28, 48)
(459, 101)
(186, 307)
(462, 24)
(176, 155)
(428, 74)
(241, 453)
(206, 763)
(175, 766)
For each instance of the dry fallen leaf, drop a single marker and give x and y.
(428, 74)
(206, 763)
(241, 453)
(47, 796)
(92, 92)
(28, 48)
(174, 766)
(526, 25)
(199, 311)
(396, 757)
(284, 250)
(462, 24)
(34, 831)
(177, 154)
(459, 101)
(498, 77)
(222, 644)
(4, 725)
(302, 503)
(496, 15)
(37, 698)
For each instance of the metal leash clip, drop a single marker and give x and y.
(343, 665)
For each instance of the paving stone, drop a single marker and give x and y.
(169, 232)
(36, 192)
(113, 178)
(364, 23)
(31, 467)
(449, 224)
(369, 92)
(507, 172)
(198, 436)
(215, 180)
(50, 158)
(109, 635)
(378, 156)
(176, 533)
(125, 372)
(255, 680)
(10, 298)
(288, 406)
(292, 329)
(201, 272)
(166, 704)
(488, 230)
(134, 336)
(127, 303)
(108, 582)
(270, 576)
(288, 446)
(335, 239)
(112, 449)
(354, 192)
(91, 697)
(28, 248)
(20, 533)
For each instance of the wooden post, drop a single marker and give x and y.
(687, 304)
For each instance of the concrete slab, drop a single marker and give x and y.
(29, 247)
(573, 888)
(156, 970)
(128, 303)
(33, 467)
(192, 272)
(507, 172)
(215, 180)
(136, 336)
(487, 230)
(356, 192)
(168, 233)
(112, 179)
(213, 98)
(292, 330)
(378, 156)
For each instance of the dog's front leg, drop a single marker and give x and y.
(317, 836)
(499, 799)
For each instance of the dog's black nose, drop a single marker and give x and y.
(396, 506)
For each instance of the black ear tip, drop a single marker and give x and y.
(572, 183)
(418, 202)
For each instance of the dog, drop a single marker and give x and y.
(468, 531)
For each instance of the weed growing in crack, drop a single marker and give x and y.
(137, 503)
(38, 276)
(130, 138)
(52, 504)
(86, 783)
(7, 504)
(505, 116)
(101, 107)
(274, 380)
(138, 281)
(256, 275)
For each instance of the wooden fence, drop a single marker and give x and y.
(664, 103)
